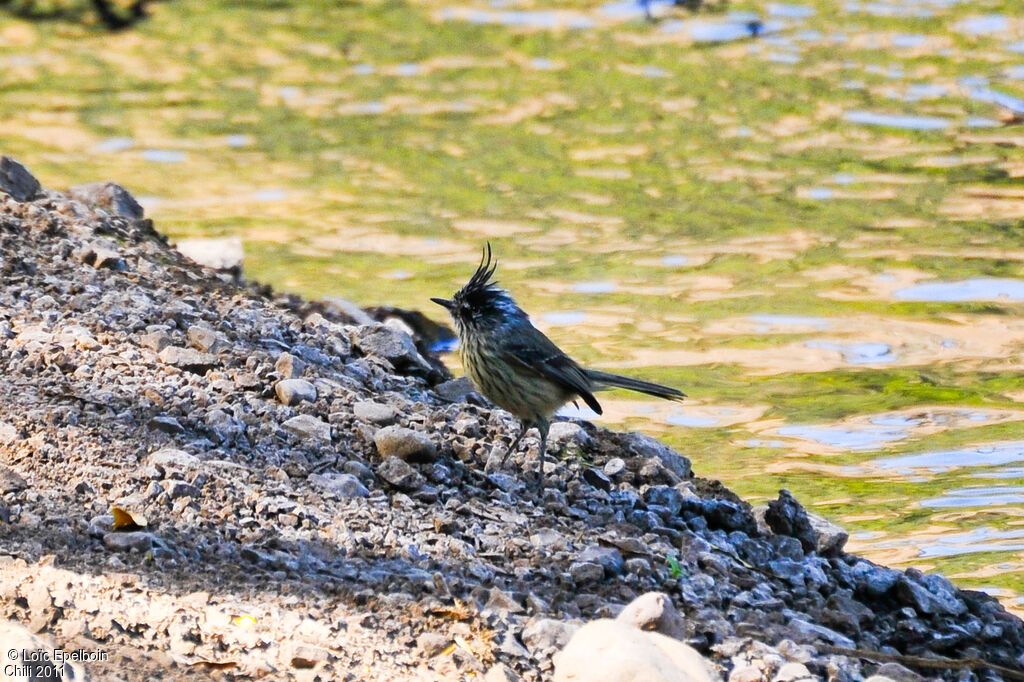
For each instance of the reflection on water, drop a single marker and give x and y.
(980, 289)
(978, 497)
(946, 460)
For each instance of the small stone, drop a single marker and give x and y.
(17, 181)
(614, 467)
(794, 672)
(341, 485)
(431, 644)
(10, 480)
(874, 580)
(176, 488)
(597, 478)
(567, 435)
(111, 197)
(188, 359)
(305, 656)
(202, 338)
(654, 611)
(376, 413)
(925, 601)
(289, 366)
(609, 558)
(502, 602)
(393, 345)
(398, 441)
(830, 537)
(135, 541)
(157, 340)
(455, 390)
(400, 474)
(897, 673)
(746, 673)
(500, 673)
(294, 391)
(170, 459)
(584, 572)
(166, 423)
(814, 631)
(546, 633)
(308, 427)
(648, 447)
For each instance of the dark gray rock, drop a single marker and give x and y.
(924, 601)
(341, 485)
(584, 572)
(393, 345)
(10, 480)
(166, 423)
(647, 447)
(17, 181)
(111, 197)
(176, 488)
(134, 541)
(609, 558)
(873, 580)
(400, 474)
(786, 516)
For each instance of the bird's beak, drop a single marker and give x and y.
(443, 302)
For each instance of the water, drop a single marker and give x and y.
(905, 121)
(978, 289)
(946, 460)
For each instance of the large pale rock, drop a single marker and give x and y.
(610, 651)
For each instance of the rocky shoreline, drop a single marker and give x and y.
(199, 478)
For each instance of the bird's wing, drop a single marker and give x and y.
(539, 354)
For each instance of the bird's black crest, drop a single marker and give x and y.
(480, 286)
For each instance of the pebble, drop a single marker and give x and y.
(398, 473)
(308, 427)
(289, 367)
(545, 633)
(188, 359)
(404, 443)
(393, 345)
(614, 466)
(341, 485)
(294, 391)
(133, 541)
(374, 412)
(202, 338)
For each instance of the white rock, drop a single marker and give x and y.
(608, 651)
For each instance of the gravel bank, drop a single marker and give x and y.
(201, 478)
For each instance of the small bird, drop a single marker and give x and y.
(512, 363)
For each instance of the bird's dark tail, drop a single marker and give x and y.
(604, 380)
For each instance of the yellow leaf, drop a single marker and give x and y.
(126, 520)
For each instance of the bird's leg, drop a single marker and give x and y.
(542, 426)
(512, 448)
